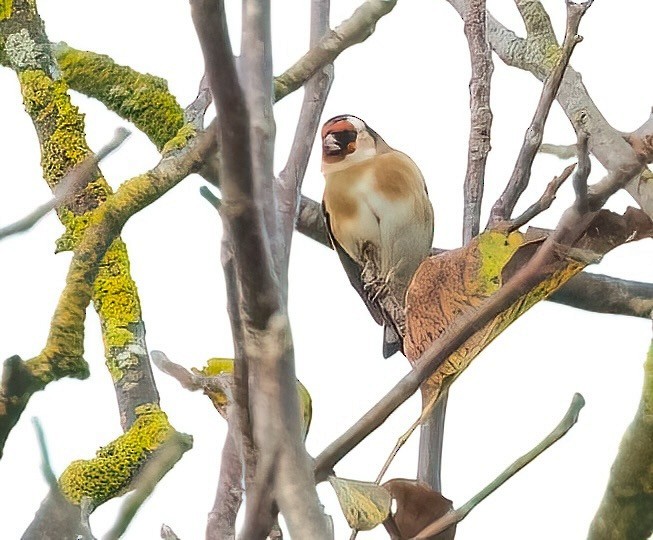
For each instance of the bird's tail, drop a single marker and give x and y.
(392, 343)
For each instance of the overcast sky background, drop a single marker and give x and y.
(409, 82)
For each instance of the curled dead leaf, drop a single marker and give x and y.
(364, 504)
(417, 506)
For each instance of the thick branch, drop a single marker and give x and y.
(140, 98)
(626, 510)
(62, 353)
(606, 294)
(283, 462)
(156, 467)
(481, 116)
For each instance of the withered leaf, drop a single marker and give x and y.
(417, 507)
(225, 366)
(450, 286)
(364, 504)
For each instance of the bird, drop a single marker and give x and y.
(374, 197)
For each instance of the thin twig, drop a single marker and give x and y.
(194, 113)
(582, 173)
(167, 533)
(354, 30)
(75, 180)
(46, 468)
(451, 518)
(504, 206)
(542, 204)
(192, 381)
(211, 197)
(316, 92)
(562, 151)
(398, 445)
(607, 144)
(481, 115)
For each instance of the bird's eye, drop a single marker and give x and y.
(345, 137)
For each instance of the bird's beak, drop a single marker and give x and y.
(331, 146)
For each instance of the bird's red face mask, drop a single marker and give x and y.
(338, 140)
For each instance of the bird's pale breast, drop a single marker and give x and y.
(382, 201)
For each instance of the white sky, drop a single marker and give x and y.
(409, 82)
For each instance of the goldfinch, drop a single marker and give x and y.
(374, 196)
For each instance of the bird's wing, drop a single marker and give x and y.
(353, 270)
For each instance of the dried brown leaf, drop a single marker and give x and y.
(417, 507)
(364, 504)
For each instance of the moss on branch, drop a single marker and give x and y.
(142, 99)
(111, 471)
(626, 512)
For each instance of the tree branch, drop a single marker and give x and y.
(456, 516)
(221, 523)
(72, 182)
(626, 510)
(164, 459)
(606, 294)
(481, 116)
(605, 143)
(561, 151)
(354, 30)
(140, 98)
(542, 204)
(316, 92)
(61, 355)
(282, 463)
(504, 206)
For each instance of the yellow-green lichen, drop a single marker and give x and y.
(116, 298)
(140, 98)
(75, 227)
(111, 471)
(59, 124)
(181, 139)
(5, 9)
(495, 250)
(552, 55)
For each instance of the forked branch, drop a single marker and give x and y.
(504, 206)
